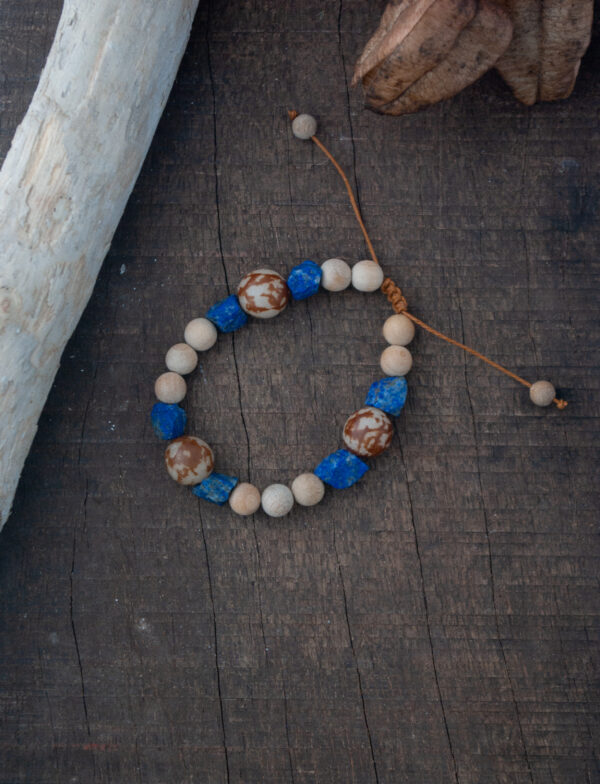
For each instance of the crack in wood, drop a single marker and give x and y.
(216, 643)
(354, 657)
(426, 608)
(489, 550)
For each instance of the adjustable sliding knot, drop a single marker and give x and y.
(394, 295)
(542, 393)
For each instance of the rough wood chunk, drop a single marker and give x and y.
(412, 38)
(474, 52)
(549, 40)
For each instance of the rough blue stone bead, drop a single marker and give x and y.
(304, 279)
(168, 420)
(215, 488)
(341, 469)
(388, 394)
(227, 315)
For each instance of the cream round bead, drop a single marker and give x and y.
(336, 275)
(398, 330)
(181, 359)
(542, 393)
(304, 126)
(277, 500)
(244, 499)
(367, 275)
(307, 489)
(395, 361)
(189, 460)
(263, 293)
(200, 334)
(170, 388)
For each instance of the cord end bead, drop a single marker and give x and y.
(304, 126)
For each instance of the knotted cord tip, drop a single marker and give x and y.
(560, 404)
(292, 114)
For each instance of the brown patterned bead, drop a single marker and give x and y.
(368, 432)
(263, 293)
(189, 460)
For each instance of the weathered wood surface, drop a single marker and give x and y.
(438, 623)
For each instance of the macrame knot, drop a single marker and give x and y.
(394, 295)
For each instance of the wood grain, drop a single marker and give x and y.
(436, 623)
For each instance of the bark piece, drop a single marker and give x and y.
(413, 38)
(64, 185)
(549, 40)
(475, 51)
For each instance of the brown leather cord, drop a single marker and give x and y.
(394, 292)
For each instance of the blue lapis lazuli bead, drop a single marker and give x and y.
(227, 315)
(341, 469)
(168, 420)
(388, 394)
(216, 488)
(304, 279)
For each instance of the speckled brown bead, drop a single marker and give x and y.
(189, 460)
(263, 293)
(368, 432)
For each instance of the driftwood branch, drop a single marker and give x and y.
(64, 185)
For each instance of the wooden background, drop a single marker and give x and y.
(437, 623)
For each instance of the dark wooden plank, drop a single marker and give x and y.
(439, 622)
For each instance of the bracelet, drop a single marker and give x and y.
(263, 294)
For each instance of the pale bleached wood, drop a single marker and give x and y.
(64, 185)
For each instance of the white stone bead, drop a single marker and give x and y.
(200, 334)
(308, 489)
(367, 275)
(336, 275)
(277, 500)
(181, 359)
(304, 126)
(170, 388)
(189, 460)
(396, 361)
(244, 499)
(542, 393)
(398, 330)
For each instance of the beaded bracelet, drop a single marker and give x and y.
(263, 294)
